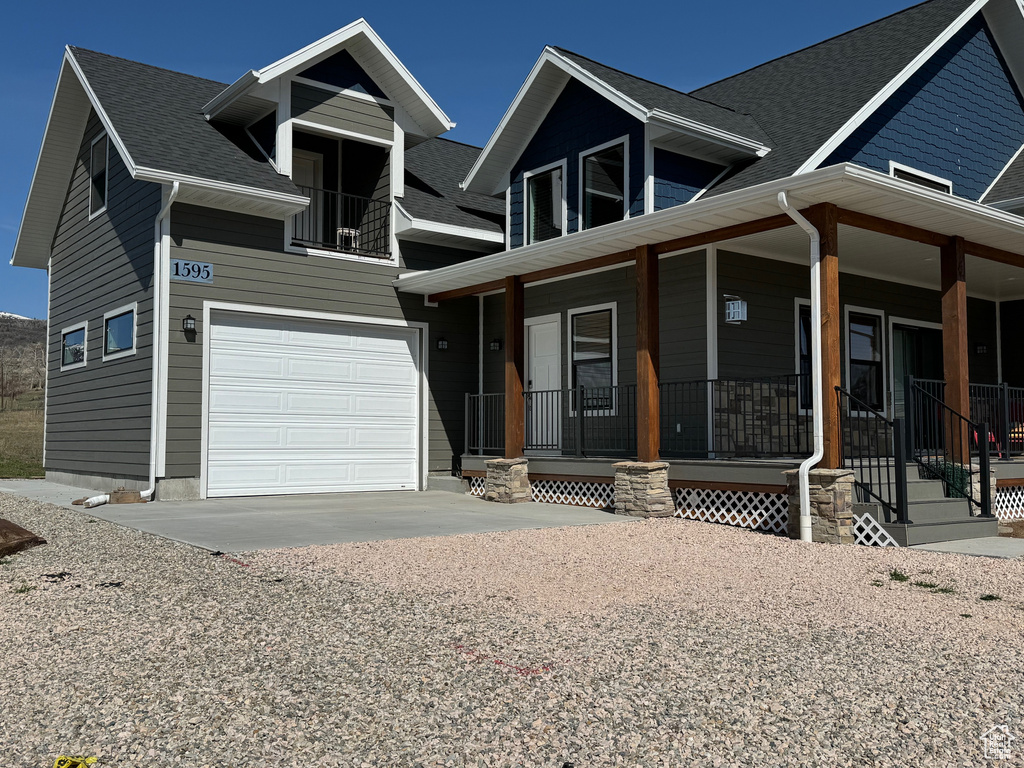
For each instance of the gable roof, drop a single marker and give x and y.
(806, 98)
(1009, 186)
(717, 133)
(370, 52)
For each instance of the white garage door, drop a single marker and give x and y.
(300, 406)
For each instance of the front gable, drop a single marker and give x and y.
(579, 120)
(959, 117)
(343, 71)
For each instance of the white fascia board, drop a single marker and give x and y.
(232, 92)
(890, 88)
(548, 57)
(708, 133)
(819, 182)
(406, 223)
(298, 202)
(299, 58)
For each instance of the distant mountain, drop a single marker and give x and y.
(22, 354)
(12, 316)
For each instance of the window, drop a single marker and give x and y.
(603, 190)
(921, 178)
(544, 209)
(98, 176)
(72, 346)
(592, 346)
(803, 352)
(864, 352)
(119, 332)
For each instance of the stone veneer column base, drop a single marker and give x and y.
(508, 481)
(831, 505)
(641, 489)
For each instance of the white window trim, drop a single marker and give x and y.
(527, 175)
(624, 141)
(134, 309)
(797, 303)
(615, 353)
(894, 166)
(106, 176)
(332, 132)
(83, 326)
(849, 308)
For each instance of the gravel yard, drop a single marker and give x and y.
(656, 643)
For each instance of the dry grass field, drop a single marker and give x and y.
(21, 437)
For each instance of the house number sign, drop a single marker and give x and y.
(191, 271)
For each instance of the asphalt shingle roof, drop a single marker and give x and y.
(434, 168)
(158, 115)
(655, 96)
(1011, 184)
(803, 98)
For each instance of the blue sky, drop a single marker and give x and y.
(468, 56)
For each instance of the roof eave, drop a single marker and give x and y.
(234, 91)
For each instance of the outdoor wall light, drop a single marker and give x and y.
(188, 324)
(981, 349)
(442, 343)
(735, 309)
(495, 345)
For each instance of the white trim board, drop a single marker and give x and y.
(527, 175)
(117, 311)
(82, 326)
(580, 206)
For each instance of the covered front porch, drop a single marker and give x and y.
(709, 358)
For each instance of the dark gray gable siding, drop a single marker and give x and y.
(578, 120)
(251, 268)
(677, 178)
(98, 416)
(336, 110)
(341, 70)
(803, 98)
(960, 117)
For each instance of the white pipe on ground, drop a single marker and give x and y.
(817, 398)
(95, 501)
(158, 260)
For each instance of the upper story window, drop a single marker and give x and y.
(603, 185)
(98, 156)
(119, 332)
(545, 203)
(72, 346)
(906, 173)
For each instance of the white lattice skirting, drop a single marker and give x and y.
(477, 485)
(576, 493)
(870, 533)
(745, 509)
(1009, 503)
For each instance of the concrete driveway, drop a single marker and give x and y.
(270, 522)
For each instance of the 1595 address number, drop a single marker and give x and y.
(191, 271)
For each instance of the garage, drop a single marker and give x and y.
(311, 406)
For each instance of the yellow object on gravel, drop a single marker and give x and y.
(74, 762)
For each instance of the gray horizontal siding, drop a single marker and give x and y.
(336, 110)
(251, 268)
(98, 416)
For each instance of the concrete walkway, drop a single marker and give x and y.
(988, 546)
(269, 522)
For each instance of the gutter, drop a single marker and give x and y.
(817, 399)
(158, 264)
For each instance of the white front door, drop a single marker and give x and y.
(544, 383)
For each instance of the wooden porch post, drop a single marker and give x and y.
(825, 218)
(515, 416)
(954, 331)
(648, 411)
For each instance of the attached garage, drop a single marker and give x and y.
(311, 406)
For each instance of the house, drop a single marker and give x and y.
(704, 302)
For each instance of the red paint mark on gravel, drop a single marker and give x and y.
(477, 656)
(236, 562)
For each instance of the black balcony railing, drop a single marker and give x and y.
(337, 221)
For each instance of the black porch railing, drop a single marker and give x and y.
(724, 418)
(1002, 408)
(337, 221)
(875, 449)
(942, 442)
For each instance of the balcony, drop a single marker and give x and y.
(337, 221)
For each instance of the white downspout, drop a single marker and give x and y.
(817, 398)
(158, 260)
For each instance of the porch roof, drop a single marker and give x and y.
(850, 187)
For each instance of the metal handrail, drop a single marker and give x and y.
(339, 221)
(880, 478)
(940, 442)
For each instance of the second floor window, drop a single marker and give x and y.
(544, 206)
(604, 186)
(98, 175)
